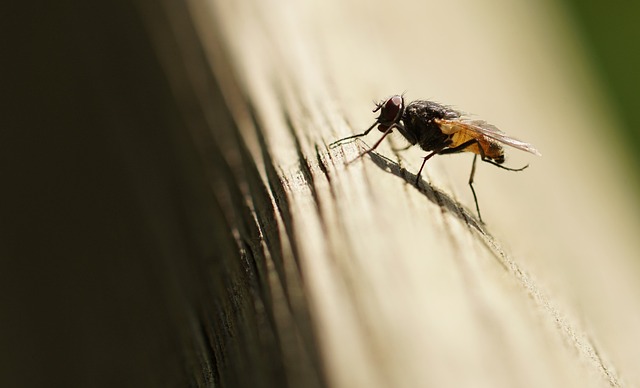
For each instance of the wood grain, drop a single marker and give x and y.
(346, 274)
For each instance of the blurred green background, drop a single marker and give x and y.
(610, 31)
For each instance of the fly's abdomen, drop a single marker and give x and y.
(490, 148)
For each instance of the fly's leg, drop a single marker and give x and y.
(365, 133)
(461, 148)
(422, 166)
(387, 132)
(473, 191)
(443, 150)
(484, 158)
(376, 144)
(499, 165)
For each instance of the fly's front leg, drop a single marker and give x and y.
(365, 133)
(387, 132)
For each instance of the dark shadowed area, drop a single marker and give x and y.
(129, 254)
(94, 186)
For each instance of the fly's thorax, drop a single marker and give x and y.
(418, 119)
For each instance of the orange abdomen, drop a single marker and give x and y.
(492, 150)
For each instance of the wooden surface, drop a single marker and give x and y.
(365, 280)
(174, 217)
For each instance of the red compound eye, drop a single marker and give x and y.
(391, 111)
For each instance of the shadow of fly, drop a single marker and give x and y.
(441, 130)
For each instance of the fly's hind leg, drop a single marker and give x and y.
(461, 148)
(484, 158)
(487, 160)
(473, 191)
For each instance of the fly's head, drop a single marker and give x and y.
(391, 112)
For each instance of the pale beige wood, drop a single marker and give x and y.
(403, 286)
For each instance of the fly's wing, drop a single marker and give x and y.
(481, 127)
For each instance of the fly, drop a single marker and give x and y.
(442, 130)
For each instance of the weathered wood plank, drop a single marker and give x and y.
(355, 277)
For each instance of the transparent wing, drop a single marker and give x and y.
(489, 130)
